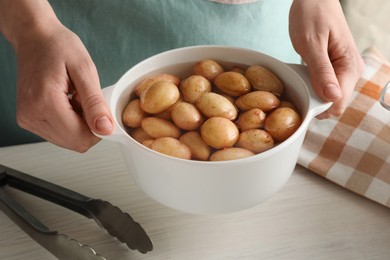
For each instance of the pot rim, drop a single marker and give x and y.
(121, 136)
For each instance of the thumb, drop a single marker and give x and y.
(96, 112)
(323, 77)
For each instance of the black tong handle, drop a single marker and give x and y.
(17, 213)
(45, 190)
(119, 224)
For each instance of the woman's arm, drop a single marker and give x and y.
(320, 34)
(52, 63)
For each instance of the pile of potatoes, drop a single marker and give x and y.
(214, 114)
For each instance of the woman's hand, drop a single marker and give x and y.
(49, 68)
(320, 34)
(54, 65)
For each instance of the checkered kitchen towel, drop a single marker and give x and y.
(353, 151)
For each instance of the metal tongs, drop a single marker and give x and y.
(117, 223)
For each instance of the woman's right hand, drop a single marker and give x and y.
(53, 64)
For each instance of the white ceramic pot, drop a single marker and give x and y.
(212, 187)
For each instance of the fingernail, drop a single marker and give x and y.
(332, 92)
(103, 123)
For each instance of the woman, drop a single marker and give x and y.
(66, 46)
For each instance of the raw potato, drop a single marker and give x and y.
(209, 69)
(166, 114)
(133, 114)
(230, 98)
(282, 123)
(255, 140)
(160, 96)
(231, 153)
(193, 87)
(285, 103)
(238, 69)
(212, 114)
(156, 127)
(219, 132)
(232, 83)
(263, 100)
(215, 105)
(139, 134)
(199, 149)
(172, 147)
(186, 116)
(251, 119)
(146, 83)
(148, 142)
(263, 79)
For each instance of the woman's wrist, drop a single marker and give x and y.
(24, 19)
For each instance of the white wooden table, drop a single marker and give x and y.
(310, 218)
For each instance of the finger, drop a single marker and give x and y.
(51, 133)
(338, 107)
(62, 126)
(64, 136)
(348, 82)
(322, 75)
(348, 72)
(71, 127)
(86, 81)
(76, 103)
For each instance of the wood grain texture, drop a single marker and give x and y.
(310, 218)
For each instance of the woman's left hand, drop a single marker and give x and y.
(320, 34)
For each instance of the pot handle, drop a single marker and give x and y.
(118, 132)
(316, 105)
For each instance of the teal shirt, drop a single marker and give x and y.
(120, 33)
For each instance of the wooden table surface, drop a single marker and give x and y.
(310, 218)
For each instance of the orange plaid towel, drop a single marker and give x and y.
(353, 151)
